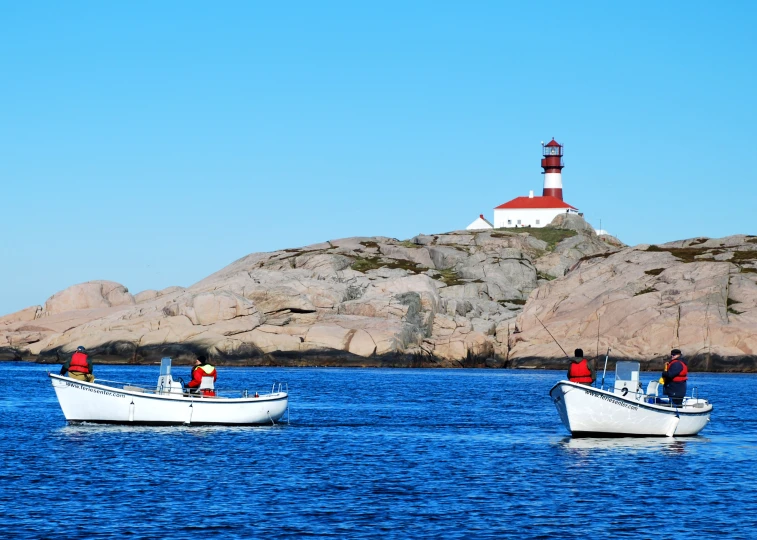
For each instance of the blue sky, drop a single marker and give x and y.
(153, 143)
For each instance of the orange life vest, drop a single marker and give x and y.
(684, 372)
(579, 372)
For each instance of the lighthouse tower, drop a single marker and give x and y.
(552, 164)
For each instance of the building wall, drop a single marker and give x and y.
(527, 217)
(477, 225)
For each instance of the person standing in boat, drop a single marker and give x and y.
(579, 370)
(674, 377)
(79, 366)
(202, 369)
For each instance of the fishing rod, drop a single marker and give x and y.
(553, 338)
(598, 324)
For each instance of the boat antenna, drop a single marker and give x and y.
(553, 337)
(605, 371)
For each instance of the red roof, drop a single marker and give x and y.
(535, 202)
(553, 142)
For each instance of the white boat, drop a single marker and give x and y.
(168, 403)
(626, 409)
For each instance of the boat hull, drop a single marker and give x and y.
(96, 403)
(591, 412)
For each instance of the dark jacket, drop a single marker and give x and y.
(672, 388)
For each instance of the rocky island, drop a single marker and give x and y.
(458, 299)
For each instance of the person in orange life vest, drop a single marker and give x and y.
(79, 366)
(579, 370)
(674, 377)
(202, 369)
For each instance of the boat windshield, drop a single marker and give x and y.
(165, 366)
(627, 371)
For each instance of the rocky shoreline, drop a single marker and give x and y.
(184, 355)
(458, 299)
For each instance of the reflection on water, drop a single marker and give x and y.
(92, 429)
(633, 444)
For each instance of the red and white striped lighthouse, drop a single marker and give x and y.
(534, 211)
(552, 165)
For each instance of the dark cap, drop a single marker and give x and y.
(675, 352)
(80, 348)
(202, 359)
(579, 352)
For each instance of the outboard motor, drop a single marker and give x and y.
(166, 384)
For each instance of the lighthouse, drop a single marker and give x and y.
(552, 164)
(534, 211)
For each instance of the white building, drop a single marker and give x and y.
(479, 224)
(530, 211)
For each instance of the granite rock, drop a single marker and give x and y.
(456, 299)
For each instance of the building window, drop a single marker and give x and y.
(537, 221)
(518, 222)
(509, 221)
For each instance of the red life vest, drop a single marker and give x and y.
(684, 372)
(579, 372)
(79, 363)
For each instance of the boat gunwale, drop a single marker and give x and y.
(673, 411)
(180, 398)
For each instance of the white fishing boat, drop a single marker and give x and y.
(110, 402)
(627, 409)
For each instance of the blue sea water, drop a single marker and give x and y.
(374, 453)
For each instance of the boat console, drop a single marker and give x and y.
(166, 384)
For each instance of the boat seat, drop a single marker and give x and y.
(207, 387)
(652, 388)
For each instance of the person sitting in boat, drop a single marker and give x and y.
(202, 369)
(79, 366)
(579, 370)
(674, 377)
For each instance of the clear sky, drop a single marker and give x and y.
(153, 143)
